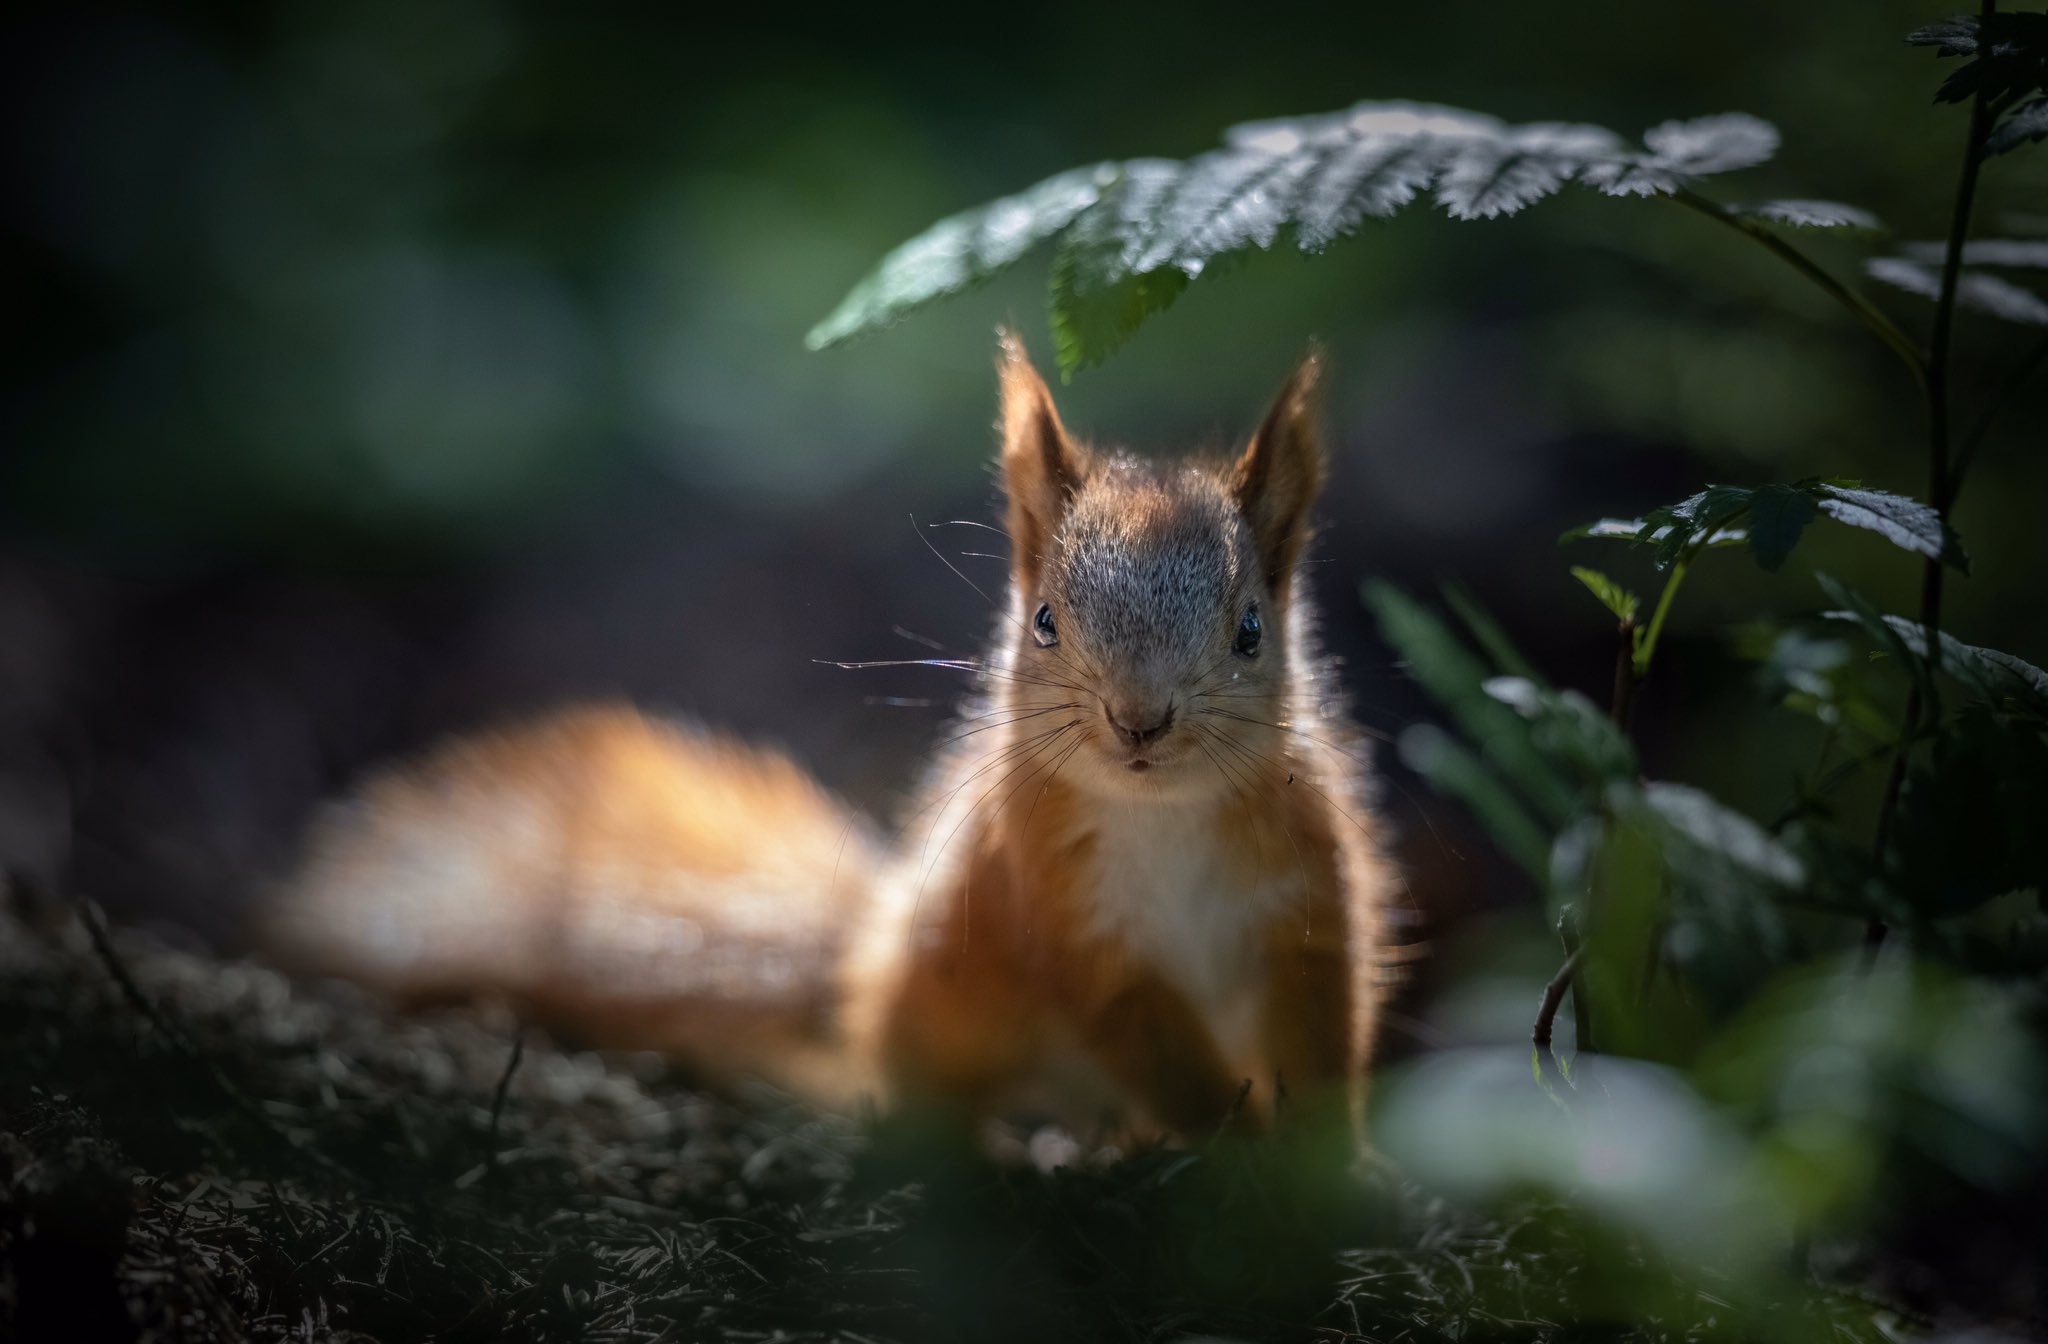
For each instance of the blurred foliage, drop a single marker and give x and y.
(337, 288)
(1756, 1080)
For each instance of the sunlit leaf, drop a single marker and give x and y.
(1131, 236)
(962, 251)
(1906, 523)
(1638, 529)
(1683, 150)
(1099, 295)
(2027, 252)
(1610, 594)
(1986, 293)
(1814, 215)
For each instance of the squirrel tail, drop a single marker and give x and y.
(622, 881)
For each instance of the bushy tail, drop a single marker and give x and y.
(626, 882)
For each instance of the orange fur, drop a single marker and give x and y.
(628, 881)
(1141, 887)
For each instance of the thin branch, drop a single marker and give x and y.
(504, 1085)
(1941, 483)
(1553, 995)
(1872, 317)
(1627, 681)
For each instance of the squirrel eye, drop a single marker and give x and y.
(1042, 627)
(1248, 631)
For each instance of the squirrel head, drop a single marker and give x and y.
(1153, 604)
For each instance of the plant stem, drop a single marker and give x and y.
(1553, 995)
(1880, 325)
(1648, 649)
(1626, 680)
(1941, 484)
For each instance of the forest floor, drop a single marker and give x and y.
(192, 1148)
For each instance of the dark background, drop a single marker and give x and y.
(382, 370)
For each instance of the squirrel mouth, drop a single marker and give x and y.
(1139, 764)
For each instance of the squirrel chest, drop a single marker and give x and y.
(1167, 887)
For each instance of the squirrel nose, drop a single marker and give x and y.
(1138, 737)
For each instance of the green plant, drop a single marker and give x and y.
(1674, 908)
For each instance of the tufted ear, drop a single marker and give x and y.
(1276, 480)
(1042, 467)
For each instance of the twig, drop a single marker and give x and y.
(1627, 681)
(504, 1085)
(1553, 995)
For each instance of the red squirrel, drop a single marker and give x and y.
(1141, 878)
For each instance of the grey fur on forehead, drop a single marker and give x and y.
(1149, 554)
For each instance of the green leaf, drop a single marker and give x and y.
(1102, 288)
(2028, 252)
(1813, 215)
(1455, 679)
(1891, 1060)
(1675, 526)
(1776, 517)
(1454, 770)
(1617, 599)
(1778, 514)
(1820, 677)
(1639, 529)
(1986, 293)
(1727, 881)
(1487, 631)
(1719, 831)
(1568, 729)
(1994, 678)
(1906, 523)
(1131, 236)
(962, 251)
(1683, 150)
(1861, 610)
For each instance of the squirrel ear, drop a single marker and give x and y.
(1276, 480)
(1042, 467)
